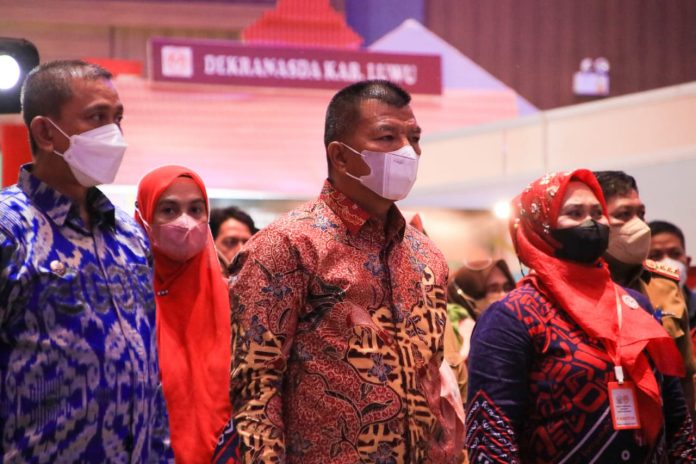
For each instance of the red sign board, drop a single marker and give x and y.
(234, 63)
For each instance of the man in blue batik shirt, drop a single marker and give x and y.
(79, 379)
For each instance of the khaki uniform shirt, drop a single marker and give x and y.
(662, 288)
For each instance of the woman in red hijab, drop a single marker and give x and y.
(193, 312)
(570, 367)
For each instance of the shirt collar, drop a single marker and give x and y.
(354, 217)
(61, 209)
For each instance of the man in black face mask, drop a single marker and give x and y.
(629, 244)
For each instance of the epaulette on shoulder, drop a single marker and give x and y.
(661, 269)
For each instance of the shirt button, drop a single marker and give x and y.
(625, 455)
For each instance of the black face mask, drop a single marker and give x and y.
(584, 243)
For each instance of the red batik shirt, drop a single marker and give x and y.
(337, 322)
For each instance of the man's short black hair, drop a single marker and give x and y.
(615, 183)
(219, 215)
(344, 109)
(49, 86)
(664, 227)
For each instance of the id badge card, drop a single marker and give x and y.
(624, 406)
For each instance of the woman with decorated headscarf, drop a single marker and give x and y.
(569, 367)
(193, 312)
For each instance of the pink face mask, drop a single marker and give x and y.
(181, 239)
(392, 173)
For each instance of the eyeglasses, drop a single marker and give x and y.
(478, 264)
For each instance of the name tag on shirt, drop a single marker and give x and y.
(624, 407)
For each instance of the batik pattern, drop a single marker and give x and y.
(228, 447)
(539, 392)
(79, 379)
(336, 321)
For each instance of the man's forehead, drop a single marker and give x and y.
(629, 199)
(88, 90)
(665, 239)
(233, 224)
(374, 110)
(90, 84)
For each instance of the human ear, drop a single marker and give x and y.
(42, 134)
(335, 153)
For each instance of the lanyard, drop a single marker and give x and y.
(618, 370)
(622, 394)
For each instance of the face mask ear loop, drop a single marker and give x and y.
(357, 153)
(350, 148)
(147, 226)
(59, 129)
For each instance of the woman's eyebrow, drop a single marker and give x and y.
(168, 201)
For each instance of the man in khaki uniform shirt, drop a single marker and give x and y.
(629, 244)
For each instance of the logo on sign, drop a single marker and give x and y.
(177, 61)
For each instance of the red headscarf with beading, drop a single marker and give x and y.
(588, 295)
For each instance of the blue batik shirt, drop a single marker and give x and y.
(79, 379)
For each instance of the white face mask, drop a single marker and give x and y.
(629, 243)
(94, 156)
(677, 265)
(392, 173)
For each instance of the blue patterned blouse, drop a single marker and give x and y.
(538, 392)
(79, 380)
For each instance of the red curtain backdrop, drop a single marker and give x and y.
(15, 151)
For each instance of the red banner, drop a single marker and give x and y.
(234, 63)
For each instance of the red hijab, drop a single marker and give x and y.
(193, 333)
(588, 295)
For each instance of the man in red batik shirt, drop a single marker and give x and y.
(339, 307)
